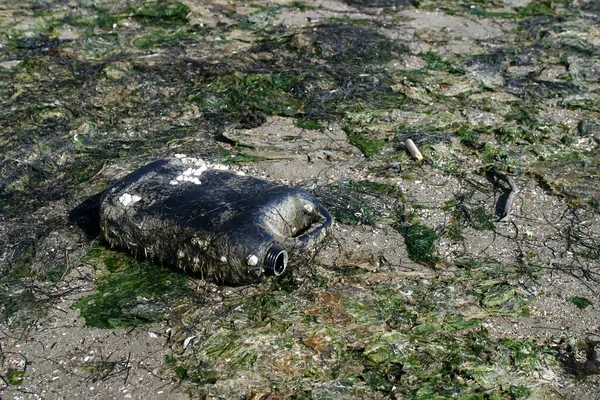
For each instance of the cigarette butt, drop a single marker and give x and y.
(412, 149)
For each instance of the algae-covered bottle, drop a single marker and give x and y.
(209, 220)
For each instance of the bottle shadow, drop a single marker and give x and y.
(86, 215)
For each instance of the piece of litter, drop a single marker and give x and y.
(412, 149)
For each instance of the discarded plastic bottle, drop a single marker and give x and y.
(212, 221)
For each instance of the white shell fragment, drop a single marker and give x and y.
(191, 174)
(187, 341)
(126, 199)
(252, 260)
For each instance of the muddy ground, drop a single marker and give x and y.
(425, 288)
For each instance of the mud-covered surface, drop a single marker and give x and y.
(473, 273)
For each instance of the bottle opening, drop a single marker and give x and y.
(276, 260)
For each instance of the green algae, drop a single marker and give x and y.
(438, 353)
(260, 19)
(235, 157)
(420, 243)
(436, 62)
(543, 7)
(492, 9)
(230, 93)
(581, 302)
(20, 305)
(132, 293)
(161, 12)
(158, 38)
(310, 124)
(300, 5)
(369, 147)
(15, 377)
(89, 170)
(361, 202)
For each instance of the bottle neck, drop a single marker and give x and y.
(275, 261)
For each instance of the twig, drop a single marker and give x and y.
(98, 173)
(5, 381)
(127, 367)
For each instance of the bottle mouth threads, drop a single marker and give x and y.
(276, 260)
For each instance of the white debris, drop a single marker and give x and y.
(126, 199)
(252, 260)
(191, 161)
(187, 341)
(197, 241)
(199, 171)
(195, 167)
(187, 178)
